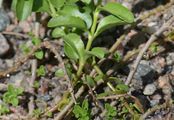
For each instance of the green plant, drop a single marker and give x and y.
(41, 71)
(4, 108)
(73, 20)
(82, 112)
(11, 96)
(67, 19)
(110, 112)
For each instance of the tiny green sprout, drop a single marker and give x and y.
(25, 49)
(37, 113)
(111, 112)
(154, 47)
(82, 112)
(117, 56)
(36, 84)
(35, 40)
(3, 109)
(59, 73)
(41, 71)
(39, 54)
(49, 114)
(11, 96)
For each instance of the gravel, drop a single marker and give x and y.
(4, 46)
(149, 89)
(4, 20)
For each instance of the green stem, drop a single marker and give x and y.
(93, 28)
(81, 65)
(89, 43)
(95, 18)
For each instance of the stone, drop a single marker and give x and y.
(4, 20)
(149, 89)
(4, 46)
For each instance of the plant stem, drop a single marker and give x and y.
(81, 65)
(95, 18)
(93, 28)
(89, 43)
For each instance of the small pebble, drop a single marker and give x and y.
(4, 20)
(4, 46)
(149, 89)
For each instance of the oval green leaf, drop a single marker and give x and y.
(73, 10)
(23, 9)
(68, 21)
(108, 22)
(76, 44)
(120, 11)
(70, 52)
(98, 52)
(58, 32)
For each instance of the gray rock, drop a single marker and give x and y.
(149, 89)
(169, 58)
(4, 46)
(143, 70)
(144, 74)
(4, 20)
(17, 79)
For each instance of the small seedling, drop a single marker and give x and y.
(11, 96)
(82, 112)
(110, 112)
(41, 71)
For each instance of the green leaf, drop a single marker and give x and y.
(59, 73)
(35, 40)
(98, 52)
(41, 6)
(111, 111)
(4, 108)
(23, 9)
(117, 56)
(85, 105)
(25, 49)
(58, 32)
(122, 88)
(73, 42)
(86, 1)
(73, 10)
(39, 54)
(99, 77)
(120, 11)
(13, 5)
(108, 22)
(10, 88)
(67, 21)
(72, 1)
(19, 90)
(70, 51)
(41, 71)
(90, 81)
(58, 3)
(14, 101)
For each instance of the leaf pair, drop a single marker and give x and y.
(120, 16)
(70, 16)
